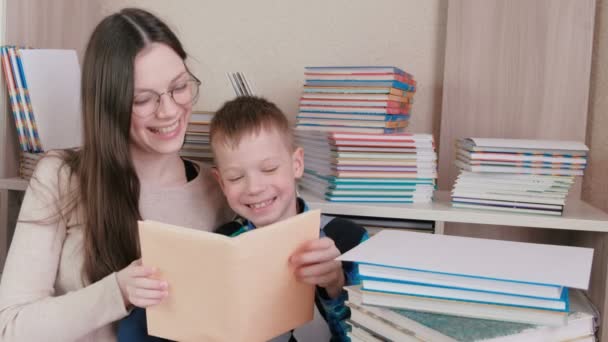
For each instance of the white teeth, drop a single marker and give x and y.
(261, 204)
(167, 130)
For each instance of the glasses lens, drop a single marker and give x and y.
(145, 104)
(187, 93)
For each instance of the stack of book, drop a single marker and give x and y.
(375, 323)
(367, 167)
(367, 99)
(44, 95)
(418, 286)
(516, 175)
(196, 142)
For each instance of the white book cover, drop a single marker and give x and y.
(503, 260)
(53, 82)
(530, 144)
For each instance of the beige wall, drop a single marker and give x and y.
(272, 42)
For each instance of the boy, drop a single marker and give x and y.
(257, 165)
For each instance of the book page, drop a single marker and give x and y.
(228, 289)
(277, 301)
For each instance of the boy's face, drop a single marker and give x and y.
(258, 176)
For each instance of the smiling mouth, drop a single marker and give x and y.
(165, 130)
(260, 205)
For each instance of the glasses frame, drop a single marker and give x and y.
(197, 82)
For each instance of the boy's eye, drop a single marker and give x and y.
(234, 179)
(271, 169)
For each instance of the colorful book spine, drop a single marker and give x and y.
(364, 83)
(28, 105)
(12, 94)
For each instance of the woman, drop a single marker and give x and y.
(70, 272)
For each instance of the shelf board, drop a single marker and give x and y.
(577, 215)
(14, 183)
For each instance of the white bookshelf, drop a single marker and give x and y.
(577, 215)
(13, 183)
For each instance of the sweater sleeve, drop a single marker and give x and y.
(346, 235)
(30, 310)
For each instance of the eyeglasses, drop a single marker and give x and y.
(184, 93)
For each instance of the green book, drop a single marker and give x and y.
(404, 325)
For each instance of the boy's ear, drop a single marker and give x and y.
(298, 162)
(217, 176)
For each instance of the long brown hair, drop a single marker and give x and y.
(108, 184)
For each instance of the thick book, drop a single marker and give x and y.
(519, 263)
(581, 322)
(470, 309)
(228, 289)
(463, 294)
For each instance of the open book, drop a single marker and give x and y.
(228, 289)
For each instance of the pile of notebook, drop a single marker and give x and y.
(44, 96)
(526, 176)
(364, 99)
(196, 142)
(368, 167)
(426, 287)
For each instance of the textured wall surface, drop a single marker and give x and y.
(272, 41)
(595, 185)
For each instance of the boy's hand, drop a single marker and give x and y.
(315, 264)
(138, 288)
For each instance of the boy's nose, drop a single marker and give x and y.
(254, 187)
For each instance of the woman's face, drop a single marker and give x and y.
(158, 125)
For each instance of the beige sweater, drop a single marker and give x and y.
(42, 294)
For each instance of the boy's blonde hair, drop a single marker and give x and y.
(247, 115)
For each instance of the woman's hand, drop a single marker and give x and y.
(138, 288)
(315, 264)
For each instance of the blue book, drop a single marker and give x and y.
(465, 294)
(361, 83)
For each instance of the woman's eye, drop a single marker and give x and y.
(141, 101)
(181, 87)
(234, 179)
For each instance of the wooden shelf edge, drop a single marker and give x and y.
(13, 183)
(578, 215)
